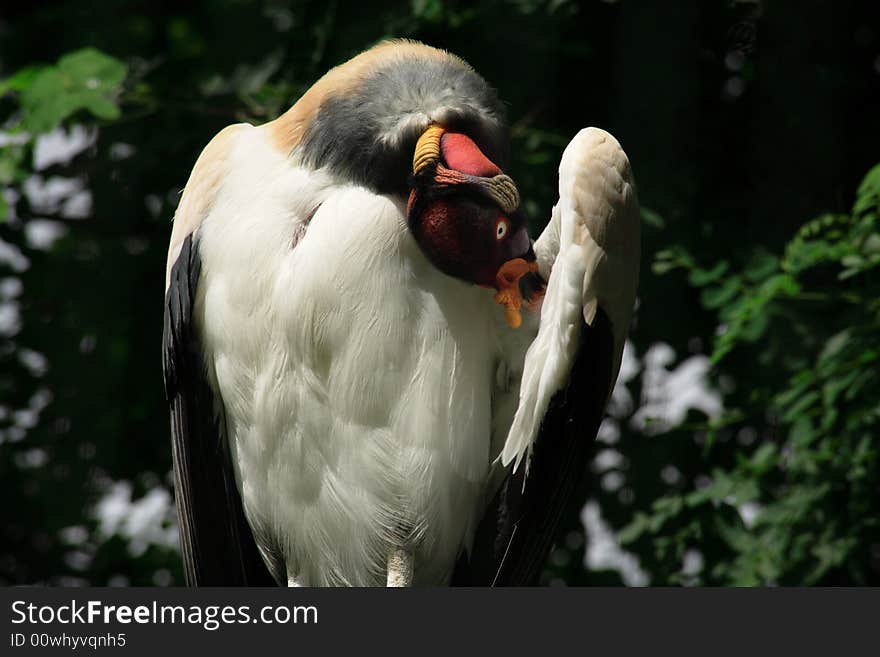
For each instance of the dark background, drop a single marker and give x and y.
(743, 121)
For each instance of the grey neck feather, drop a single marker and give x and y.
(368, 136)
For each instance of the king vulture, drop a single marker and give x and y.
(375, 376)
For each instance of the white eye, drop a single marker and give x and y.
(500, 230)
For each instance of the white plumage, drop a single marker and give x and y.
(364, 394)
(356, 378)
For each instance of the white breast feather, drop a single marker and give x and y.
(356, 379)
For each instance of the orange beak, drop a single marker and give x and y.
(507, 284)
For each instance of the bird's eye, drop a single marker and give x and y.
(501, 229)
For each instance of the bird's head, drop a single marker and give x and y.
(360, 122)
(464, 213)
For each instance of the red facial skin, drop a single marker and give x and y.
(462, 234)
(469, 239)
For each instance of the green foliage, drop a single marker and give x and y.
(813, 481)
(85, 79)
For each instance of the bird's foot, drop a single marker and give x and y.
(400, 568)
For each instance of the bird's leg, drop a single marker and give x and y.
(295, 579)
(400, 568)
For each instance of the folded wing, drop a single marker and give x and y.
(217, 545)
(589, 255)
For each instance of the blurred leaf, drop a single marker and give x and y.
(652, 218)
(85, 79)
(21, 80)
(716, 297)
(701, 277)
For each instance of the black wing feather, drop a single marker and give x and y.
(519, 528)
(216, 541)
